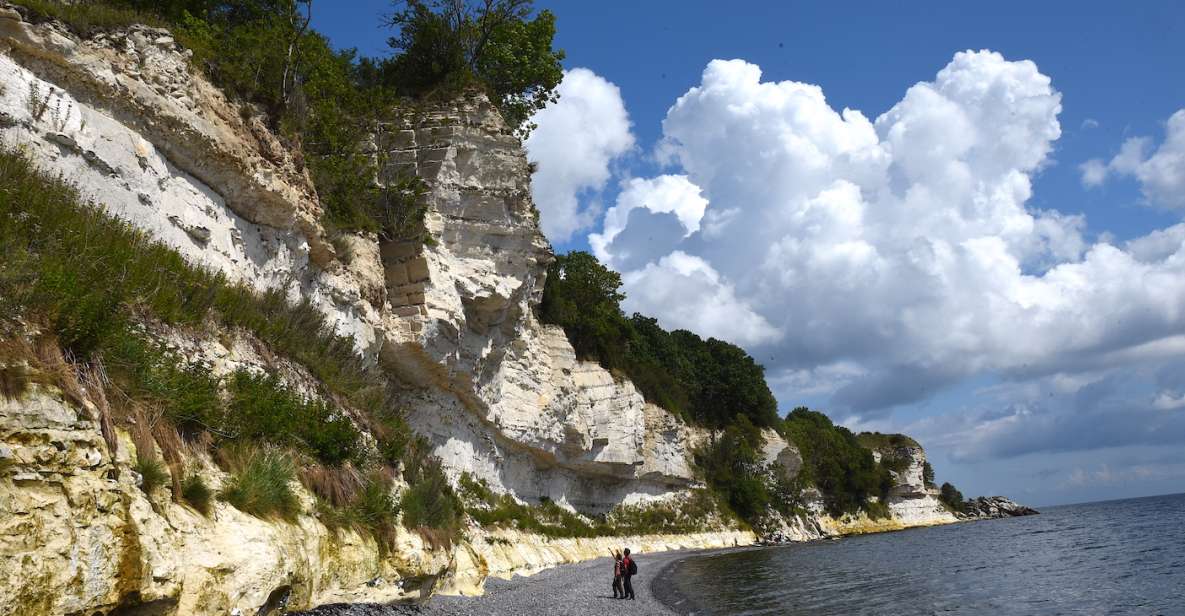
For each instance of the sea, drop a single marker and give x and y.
(1114, 557)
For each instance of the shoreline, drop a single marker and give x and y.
(572, 589)
(581, 588)
(671, 600)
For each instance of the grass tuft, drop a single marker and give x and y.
(261, 482)
(153, 473)
(431, 504)
(195, 492)
(14, 381)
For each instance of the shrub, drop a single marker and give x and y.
(431, 503)
(149, 374)
(950, 496)
(877, 510)
(375, 511)
(260, 407)
(260, 483)
(195, 492)
(731, 463)
(153, 473)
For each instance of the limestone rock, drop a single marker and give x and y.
(987, 507)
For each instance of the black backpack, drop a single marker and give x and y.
(633, 569)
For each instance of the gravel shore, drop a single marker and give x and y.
(579, 589)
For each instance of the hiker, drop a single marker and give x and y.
(618, 593)
(629, 569)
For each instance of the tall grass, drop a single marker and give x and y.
(87, 273)
(153, 474)
(89, 17)
(195, 492)
(261, 481)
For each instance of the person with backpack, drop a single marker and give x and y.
(629, 569)
(618, 570)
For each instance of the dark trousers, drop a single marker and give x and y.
(629, 588)
(617, 591)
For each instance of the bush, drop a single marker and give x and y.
(370, 510)
(261, 408)
(195, 492)
(950, 496)
(431, 503)
(153, 473)
(732, 467)
(260, 482)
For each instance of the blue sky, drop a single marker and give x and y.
(1036, 397)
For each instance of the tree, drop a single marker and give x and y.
(927, 474)
(584, 297)
(735, 386)
(951, 497)
(732, 467)
(447, 44)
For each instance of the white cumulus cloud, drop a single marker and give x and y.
(1160, 172)
(574, 144)
(901, 248)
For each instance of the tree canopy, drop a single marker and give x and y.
(501, 45)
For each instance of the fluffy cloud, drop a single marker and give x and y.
(694, 297)
(666, 194)
(899, 248)
(1161, 173)
(576, 140)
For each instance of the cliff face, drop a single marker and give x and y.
(502, 395)
(499, 395)
(911, 501)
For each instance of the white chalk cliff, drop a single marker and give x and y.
(499, 394)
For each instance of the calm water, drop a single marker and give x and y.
(1118, 557)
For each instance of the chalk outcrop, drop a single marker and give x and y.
(910, 500)
(990, 507)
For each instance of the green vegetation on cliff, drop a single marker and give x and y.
(950, 496)
(717, 385)
(328, 105)
(96, 291)
(698, 512)
(836, 462)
